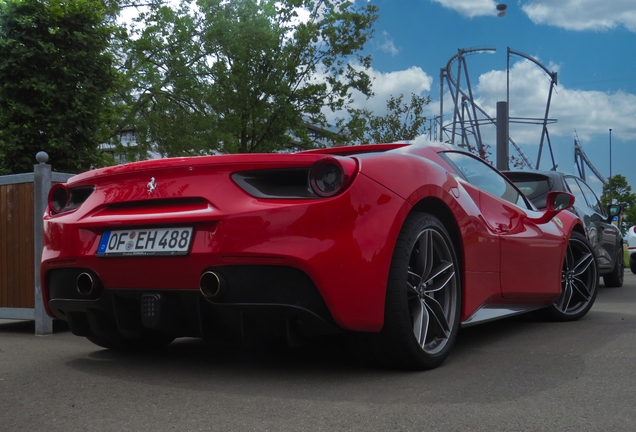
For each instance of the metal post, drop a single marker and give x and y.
(508, 76)
(502, 136)
(441, 104)
(610, 177)
(41, 186)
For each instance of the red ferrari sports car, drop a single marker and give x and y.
(398, 244)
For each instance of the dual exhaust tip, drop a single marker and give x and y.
(86, 284)
(211, 284)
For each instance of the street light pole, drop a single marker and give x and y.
(610, 163)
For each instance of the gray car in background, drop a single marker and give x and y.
(605, 237)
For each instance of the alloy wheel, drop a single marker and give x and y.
(431, 290)
(579, 278)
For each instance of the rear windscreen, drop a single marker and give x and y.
(533, 188)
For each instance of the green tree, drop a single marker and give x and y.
(55, 78)
(621, 193)
(244, 75)
(167, 84)
(402, 122)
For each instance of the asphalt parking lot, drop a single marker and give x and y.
(520, 374)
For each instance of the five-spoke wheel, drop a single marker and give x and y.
(579, 280)
(423, 296)
(432, 298)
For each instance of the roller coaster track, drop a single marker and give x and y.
(581, 159)
(466, 122)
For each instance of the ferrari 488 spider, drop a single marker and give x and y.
(397, 244)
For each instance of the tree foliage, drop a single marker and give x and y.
(403, 121)
(621, 193)
(200, 77)
(243, 76)
(55, 79)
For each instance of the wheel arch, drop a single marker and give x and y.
(579, 229)
(441, 211)
(399, 343)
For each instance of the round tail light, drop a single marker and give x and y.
(58, 198)
(330, 176)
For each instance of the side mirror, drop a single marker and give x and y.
(556, 202)
(614, 210)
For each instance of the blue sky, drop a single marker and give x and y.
(591, 44)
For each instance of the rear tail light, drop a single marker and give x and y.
(63, 199)
(330, 175)
(58, 198)
(327, 177)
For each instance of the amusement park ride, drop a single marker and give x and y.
(468, 116)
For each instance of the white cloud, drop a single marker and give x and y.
(411, 80)
(583, 14)
(567, 14)
(591, 113)
(471, 8)
(385, 85)
(594, 111)
(386, 44)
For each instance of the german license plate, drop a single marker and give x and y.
(160, 241)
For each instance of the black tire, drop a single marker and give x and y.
(632, 264)
(120, 343)
(423, 297)
(614, 279)
(579, 279)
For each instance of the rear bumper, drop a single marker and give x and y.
(258, 301)
(342, 245)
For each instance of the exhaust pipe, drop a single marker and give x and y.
(85, 284)
(212, 285)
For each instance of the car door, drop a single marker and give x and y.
(530, 255)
